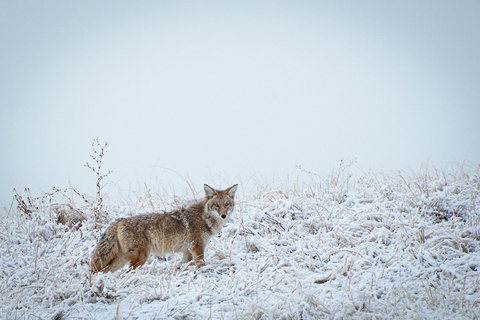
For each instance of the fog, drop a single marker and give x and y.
(232, 92)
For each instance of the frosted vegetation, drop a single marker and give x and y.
(377, 246)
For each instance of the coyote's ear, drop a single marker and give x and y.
(231, 190)
(209, 191)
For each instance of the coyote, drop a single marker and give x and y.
(186, 230)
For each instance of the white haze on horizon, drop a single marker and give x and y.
(222, 93)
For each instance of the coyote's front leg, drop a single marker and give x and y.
(197, 248)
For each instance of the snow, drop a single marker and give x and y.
(380, 246)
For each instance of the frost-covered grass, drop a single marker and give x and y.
(380, 246)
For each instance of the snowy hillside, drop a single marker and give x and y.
(380, 246)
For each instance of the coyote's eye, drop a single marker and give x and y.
(227, 205)
(216, 206)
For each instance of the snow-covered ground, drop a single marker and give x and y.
(379, 246)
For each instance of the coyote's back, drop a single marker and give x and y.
(186, 230)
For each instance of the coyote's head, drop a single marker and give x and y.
(220, 201)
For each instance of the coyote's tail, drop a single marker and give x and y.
(105, 252)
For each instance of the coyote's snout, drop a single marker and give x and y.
(186, 230)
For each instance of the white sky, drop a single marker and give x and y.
(237, 91)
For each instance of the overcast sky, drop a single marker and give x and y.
(233, 91)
